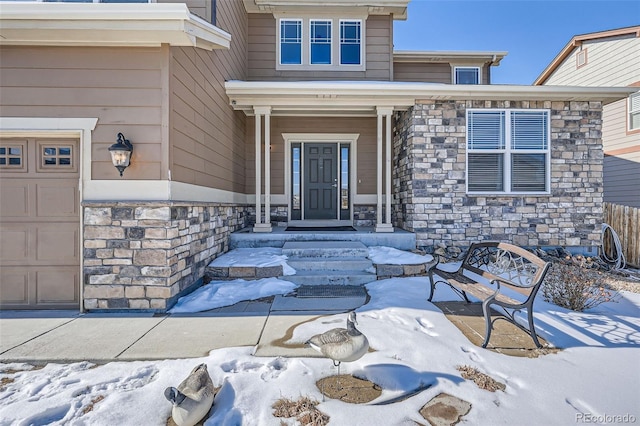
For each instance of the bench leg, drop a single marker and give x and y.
(487, 319)
(433, 286)
(532, 329)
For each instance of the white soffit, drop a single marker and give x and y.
(362, 98)
(372, 7)
(102, 24)
(428, 56)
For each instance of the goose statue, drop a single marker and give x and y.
(193, 398)
(341, 345)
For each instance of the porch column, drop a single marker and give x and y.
(384, 226)
(259, 226)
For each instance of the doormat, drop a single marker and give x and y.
(331, 291)
(319, 228)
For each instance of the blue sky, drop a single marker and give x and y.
(532, 31)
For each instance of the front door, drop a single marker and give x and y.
(321, 181)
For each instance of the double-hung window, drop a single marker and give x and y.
(350, 42)
(320, 41)
(634, 111)
(291, 41)
(508, 151)
(466, 75)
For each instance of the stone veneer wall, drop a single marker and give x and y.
(429, 180)
(145, 255)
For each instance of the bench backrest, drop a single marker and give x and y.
(514, 266)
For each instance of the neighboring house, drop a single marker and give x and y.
(608, 58)
(298, 108)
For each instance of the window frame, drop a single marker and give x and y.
(311, 41)
(508, 153)
(631, 112)
(581, 58)
(468, 67)
(280, 40)
(335, 48)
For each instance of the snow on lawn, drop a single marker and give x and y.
(392, 256)
(217, 294)
(259, 257)
(595, 375)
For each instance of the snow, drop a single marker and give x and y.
(258, 257)
(217, 294)
(392, 256)
(595, 376)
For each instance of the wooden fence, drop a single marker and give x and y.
(625, 221)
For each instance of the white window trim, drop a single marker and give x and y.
(331, 43)
(630, 112)
(337, 138)
(335, 44)
(581, 58)
(279, 40)
(456, 67)
(507, 152)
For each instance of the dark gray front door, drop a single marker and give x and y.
(321, 181)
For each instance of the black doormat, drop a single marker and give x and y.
(330, 291)
(319, 228)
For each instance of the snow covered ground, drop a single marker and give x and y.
(595, 379)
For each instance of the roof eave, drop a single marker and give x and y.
(362, 96)
(79, 24)
(448, 56)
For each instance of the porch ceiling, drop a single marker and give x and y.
(363, 97)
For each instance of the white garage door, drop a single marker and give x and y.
(39, 224)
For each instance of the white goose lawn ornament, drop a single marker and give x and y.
(341, 345)
(193, 398)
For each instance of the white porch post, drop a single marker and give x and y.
(259, 226)
(385, 226)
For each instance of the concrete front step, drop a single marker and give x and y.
(328, 278)
(324, 249)
(330, 263)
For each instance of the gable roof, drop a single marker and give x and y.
(577, 41)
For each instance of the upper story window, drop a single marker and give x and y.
(466, 75)
(508, 151)
(634, 111)
(291, 41)
(320, 41)
(320, 44)
(350, 42)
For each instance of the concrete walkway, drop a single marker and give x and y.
(67, 336)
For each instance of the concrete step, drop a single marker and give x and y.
(330, 263)
(324, 249)
(329, 278)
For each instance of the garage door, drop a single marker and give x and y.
(39, 224)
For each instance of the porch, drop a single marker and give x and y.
(367, 235)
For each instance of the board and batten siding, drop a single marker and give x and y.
(122, 87)
(263, 45)
(366, 147)
(207, 135)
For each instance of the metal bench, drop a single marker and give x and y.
(504, 266)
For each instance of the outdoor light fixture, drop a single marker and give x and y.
(121, 153)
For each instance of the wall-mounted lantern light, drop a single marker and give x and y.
(121, 153)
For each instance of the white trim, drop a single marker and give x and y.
(337, 138)
(507, 154)
(336, 97)
(455, 68)
(102, 24)
(305, 55)
(447, 56)
(631, 112)
(57, 127)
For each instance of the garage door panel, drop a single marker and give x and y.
(14, 199)
(56, 199)
(14, 243)
(57, 243)
(40, 224)
(14, 285)
(57, 285)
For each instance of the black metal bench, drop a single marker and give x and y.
(504, 265)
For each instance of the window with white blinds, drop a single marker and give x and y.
(508, 151)
(634, 111)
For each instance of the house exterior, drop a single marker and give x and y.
(259, 113)
(608, 58)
